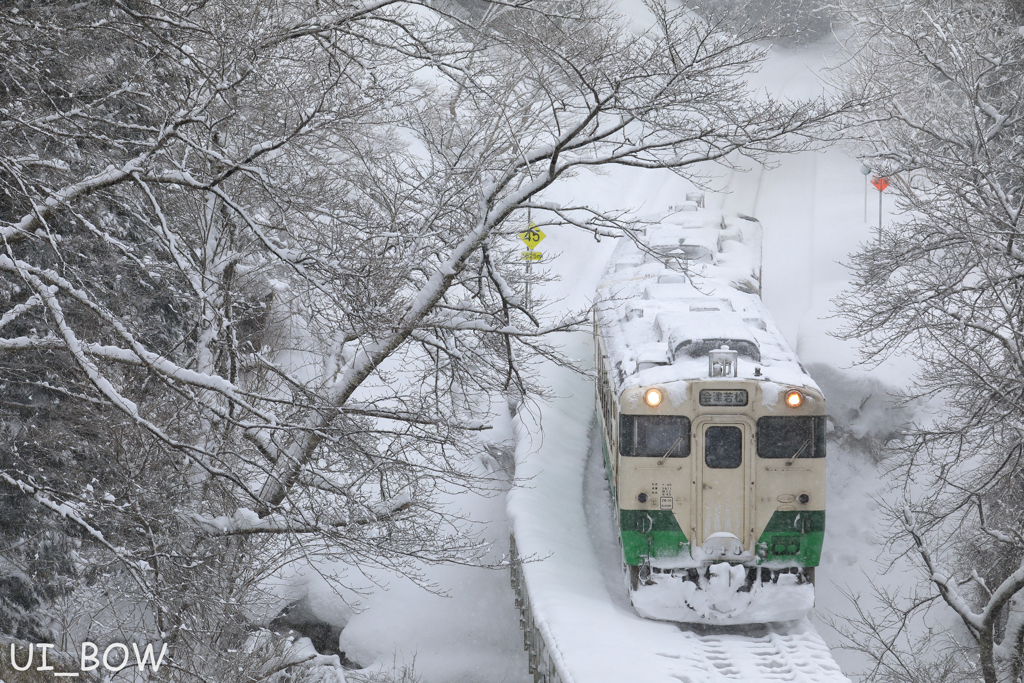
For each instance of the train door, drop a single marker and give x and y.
(723, 467)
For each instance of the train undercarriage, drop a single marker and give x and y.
(721, 593)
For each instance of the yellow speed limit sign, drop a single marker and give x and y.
(530, 255)
(532, 236)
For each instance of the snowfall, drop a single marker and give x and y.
(816, 210)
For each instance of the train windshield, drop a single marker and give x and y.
(654, 436)
(791, 437)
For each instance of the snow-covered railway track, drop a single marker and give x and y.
(577, 622)
(793, 653)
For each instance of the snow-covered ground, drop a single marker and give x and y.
(471, 635)
(812, 208)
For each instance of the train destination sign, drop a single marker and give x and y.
(723, 397)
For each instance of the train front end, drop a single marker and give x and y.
(721, 499)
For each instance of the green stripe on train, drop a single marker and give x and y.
(651, 533)
(790, 536)
(793, 535)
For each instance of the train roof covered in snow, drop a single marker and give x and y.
(685, 285)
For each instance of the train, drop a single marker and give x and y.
(713, 434)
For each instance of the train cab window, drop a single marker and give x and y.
(791, 437)
(654, 436)
(723, 447)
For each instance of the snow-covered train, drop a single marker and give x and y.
(713, 432)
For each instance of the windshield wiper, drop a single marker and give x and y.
(670, 449)
(798, 452)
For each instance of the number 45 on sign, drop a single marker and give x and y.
(532, 236)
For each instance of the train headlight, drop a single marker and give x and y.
(794, 399)
(653, 398)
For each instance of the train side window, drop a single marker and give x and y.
(788, 437)
(723, 447)
(654, 436)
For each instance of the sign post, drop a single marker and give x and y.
(880, 183)
(866, 171)
(531, 237)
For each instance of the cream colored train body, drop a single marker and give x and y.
(714, 435)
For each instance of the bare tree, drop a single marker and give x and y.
(945, 284)
(256, 273)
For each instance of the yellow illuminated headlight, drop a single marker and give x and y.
(794, 399)
(653, 398)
